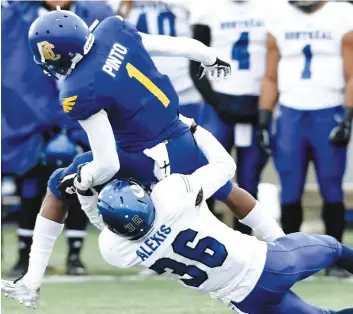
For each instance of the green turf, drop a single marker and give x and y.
(143, 297)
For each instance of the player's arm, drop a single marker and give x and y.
(168, 46)
(105, 162)
(340, 135)
(214, 175)
(268, 93)
(220, 168)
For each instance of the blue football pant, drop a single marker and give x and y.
(301, 137)
(184, 156)
(290, 259)
(250, 160)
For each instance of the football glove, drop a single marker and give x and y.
(217, 71)
(262, 133)
(341, 134)
(69, 184)
(19, 291)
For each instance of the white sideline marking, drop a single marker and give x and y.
(64, 279)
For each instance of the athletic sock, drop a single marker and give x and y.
(333, 216)
(291, 218)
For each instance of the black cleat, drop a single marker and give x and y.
(337, 271)
(19, 269)
(75, 267)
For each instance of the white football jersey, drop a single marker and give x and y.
(189, 244)
(239, 36)
(168, 18)
(310, 71)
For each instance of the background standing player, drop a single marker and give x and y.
(310, 69)
(236, 30)
(32, 144)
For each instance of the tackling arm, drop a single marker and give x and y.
(220, 168)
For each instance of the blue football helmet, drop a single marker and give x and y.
(58, 41)
(306, 6)
(59, 151)
(126, 207)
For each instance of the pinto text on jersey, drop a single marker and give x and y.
(153, 243)
(115, 58)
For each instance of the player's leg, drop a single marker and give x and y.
(291, 157)
(76, 225)
(289, 260)
(330, 164)
(251, 160)
(32, 187)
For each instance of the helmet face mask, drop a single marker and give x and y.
(306, 6)
(58, 41)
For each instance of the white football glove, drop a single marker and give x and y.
(217, 71)
(89, 206)
(19, 291)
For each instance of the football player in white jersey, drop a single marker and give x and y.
(171, 231)
(310, 69)
(236, 30)
(167, 18)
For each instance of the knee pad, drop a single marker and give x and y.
(54, 182)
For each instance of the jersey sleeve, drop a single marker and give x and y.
(80, 104)
(177, 191)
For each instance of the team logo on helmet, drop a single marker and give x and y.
(46, 51)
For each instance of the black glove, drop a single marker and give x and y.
(341, 134)
(219, 70)
(263, 134)
(67, 187)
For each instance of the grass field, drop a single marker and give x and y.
(115, 292)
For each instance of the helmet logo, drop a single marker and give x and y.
(68, 103)
(137, 190)
(46, 51)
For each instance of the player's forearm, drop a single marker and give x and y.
(167, 46)
(105, 162)
(221, 166)
(251, 213)
(268, 94)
